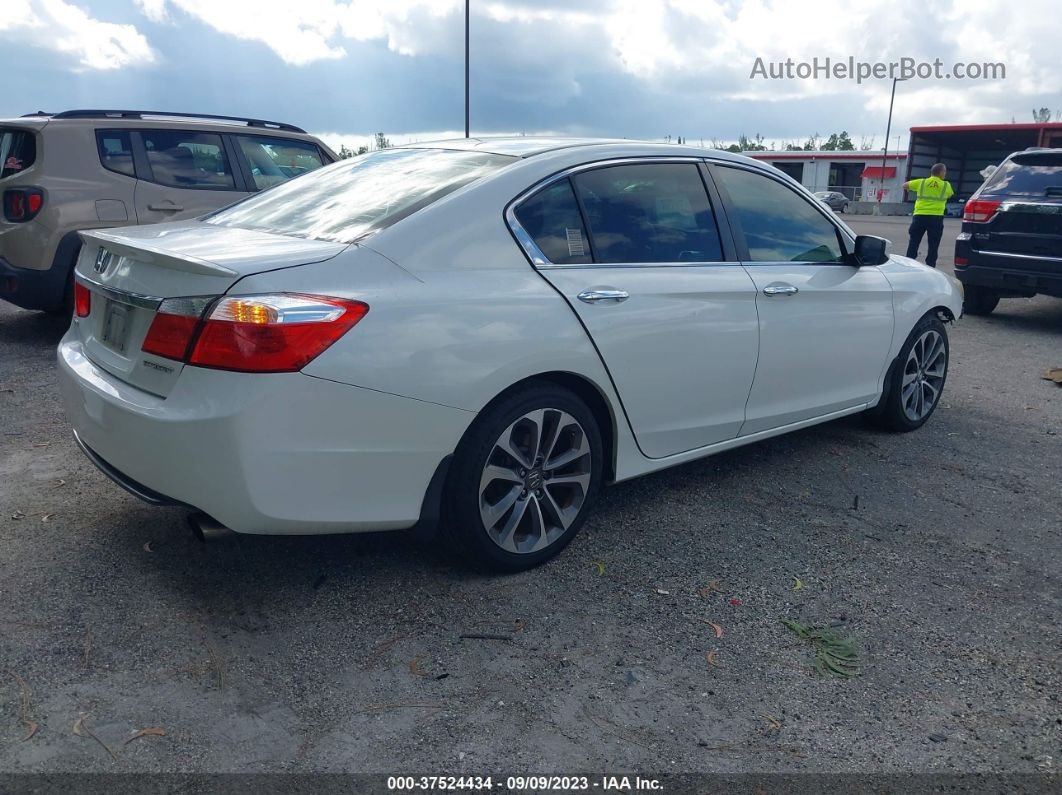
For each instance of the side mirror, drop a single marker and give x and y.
(870, 250)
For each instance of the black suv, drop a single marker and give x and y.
(1011, 239)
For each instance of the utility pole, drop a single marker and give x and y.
(888, 129)
(466, 69)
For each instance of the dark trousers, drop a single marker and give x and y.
(933, 227)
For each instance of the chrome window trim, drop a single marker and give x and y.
(122, 296)
(538, 258)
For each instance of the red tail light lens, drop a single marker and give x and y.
(82, 299)
(981, 211)
(251, 334)
(272, 333)
(22, 204)
(961, 262)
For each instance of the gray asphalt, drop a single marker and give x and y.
(938, 552)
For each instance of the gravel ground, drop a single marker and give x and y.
(938, 552)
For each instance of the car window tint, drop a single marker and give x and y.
(1032, 175)
(276, 160)
(779, 224)
(18, 151)
(653, 212)
(188, 159)
(552, 219)
(355, 197)
(115, 150)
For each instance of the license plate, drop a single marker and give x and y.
(114, 326)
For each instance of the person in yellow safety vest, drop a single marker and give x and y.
(931, 199)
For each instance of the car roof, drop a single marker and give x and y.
(527, 146)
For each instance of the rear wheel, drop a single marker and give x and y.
(524, 479)
(979, 300)
(916, 379)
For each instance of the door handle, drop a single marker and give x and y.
(780, 289)
(166, 207)
(603, 296)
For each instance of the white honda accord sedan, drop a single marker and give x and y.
(483, 333)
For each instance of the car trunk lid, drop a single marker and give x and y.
(130, 272)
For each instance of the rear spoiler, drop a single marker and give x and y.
(118, 244)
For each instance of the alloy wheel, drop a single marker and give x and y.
(923, 375)
(535, 481)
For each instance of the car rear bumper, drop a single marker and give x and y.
(32, 289)
(271, 454)
(1009, 277)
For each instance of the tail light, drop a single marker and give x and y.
(981, 211)
(961, 262)
(22, 204)
(82, 299)
(253, 334)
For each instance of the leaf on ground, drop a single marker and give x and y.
(147, 547)
(775, 723)
(82, 730)
(415, 667)
(518, 625)
(24, 707)
(711, 658)
(1054, 374)
(663, 592)
(18, 515)
(58, 483)
(798, 584)
(736, 603)
(718, 629)
(599, 567)
(836, 655)
(712, 586)
(47, 517)
(150, 731)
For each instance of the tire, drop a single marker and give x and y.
(537, 513)
(65, 309)
(915, 379)
(844, 208)
(979, 300)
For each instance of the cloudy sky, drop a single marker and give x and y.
(629, 68)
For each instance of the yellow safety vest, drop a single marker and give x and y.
(931, 195)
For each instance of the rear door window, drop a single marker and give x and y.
(276, 160)
(116, 151)
(18, 151)
(652, 212)
(1031, 175)
(188, 160)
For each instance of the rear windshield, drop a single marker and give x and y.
(354, 197)
(1028, 175)
(18, 151)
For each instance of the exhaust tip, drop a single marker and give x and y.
(208, 529)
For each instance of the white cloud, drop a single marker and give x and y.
(68, 29)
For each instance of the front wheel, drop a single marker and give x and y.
(524, 479)
(916, 378)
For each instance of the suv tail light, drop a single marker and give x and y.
(981, 211)
(252, 334)
(22, 204)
